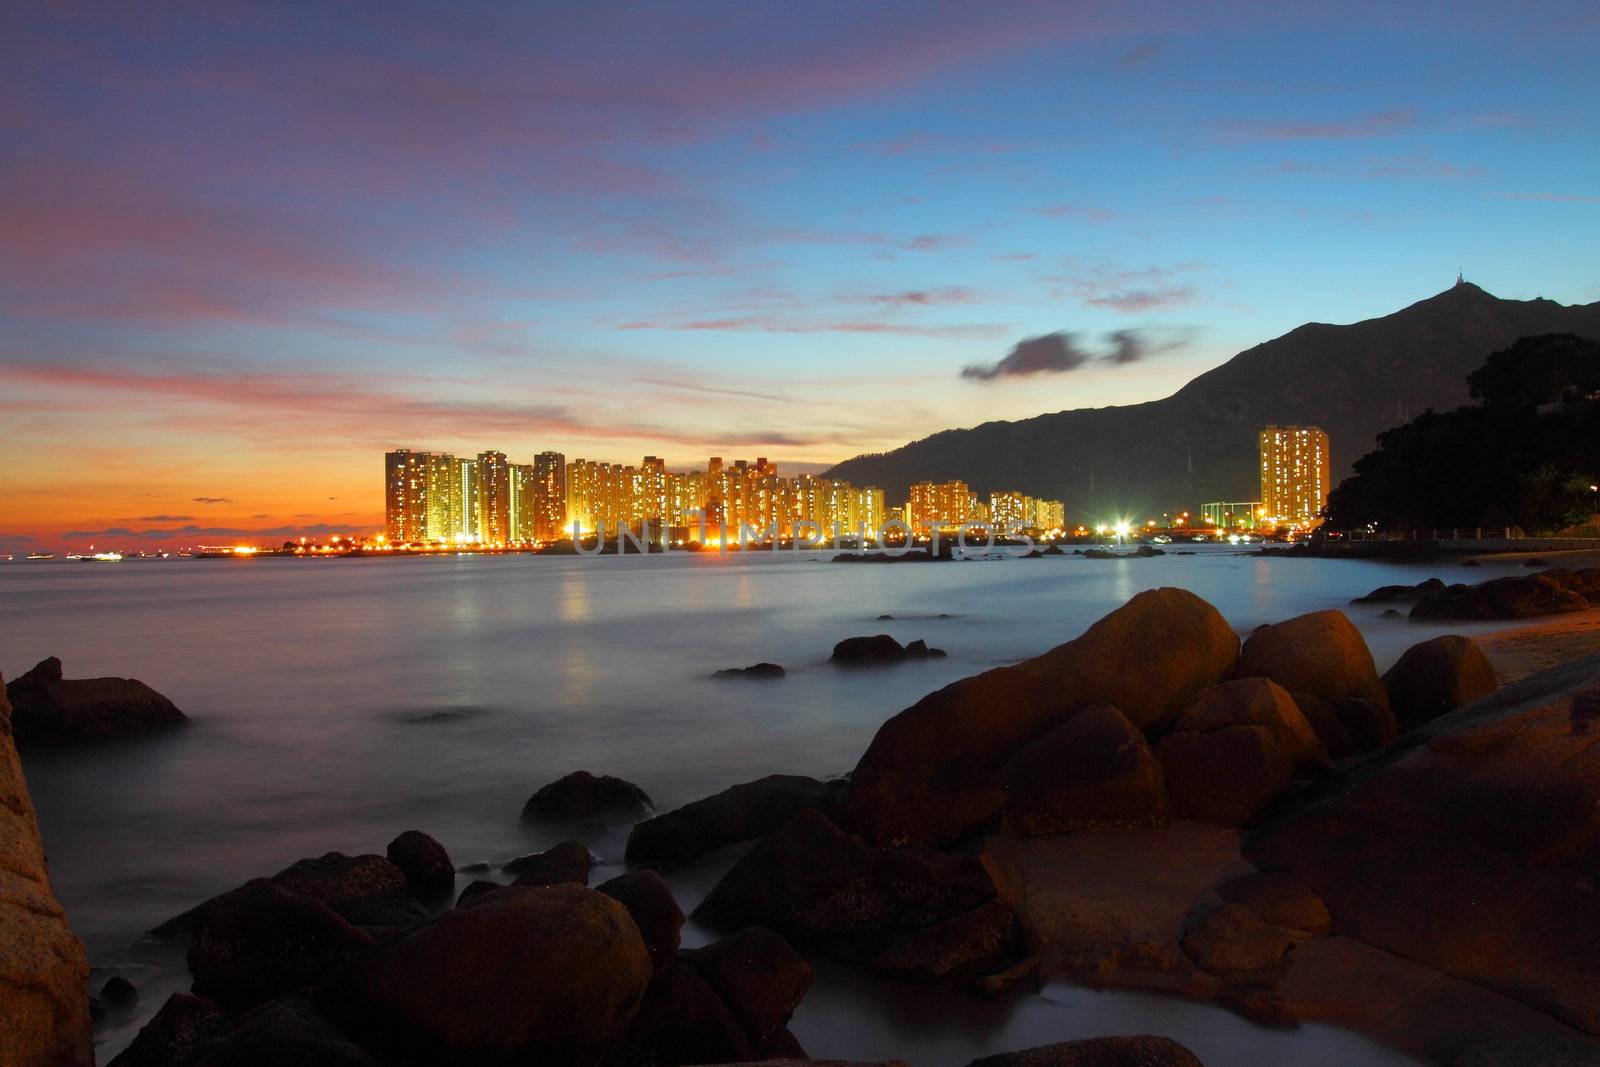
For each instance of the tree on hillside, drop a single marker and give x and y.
(1499, 463)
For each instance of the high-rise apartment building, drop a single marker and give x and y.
(464, 497)
(1294, 474)
(1008, 511)
(938, 505)
(405, 495)
(494, 498)
(549, 495)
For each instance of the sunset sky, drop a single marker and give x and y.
(244, 249)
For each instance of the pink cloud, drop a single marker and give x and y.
(1359, 127)
(1079, 211)
(771, 324)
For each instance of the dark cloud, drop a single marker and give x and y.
(211, 499)
(1062, 351)
(163, 518)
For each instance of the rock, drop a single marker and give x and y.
(858, 651)
(1262, 1006)
(1585, 582)
(366, 890)
(755, 670)
(880, 649)
(50, 710)
(1228, 777)
(583, 797)
(43, 970)
(424, 862)
(182, 1025)
(1370, 725)
(1138, 1051)
(758, 976)
(569, 861)
(1280, 900)
(1436, 677)
(1389, 594)
(973, 944)
(654, 911)
(1390, 613)
(1501, 598)
(1471, 845)
(529, 974)
(477, 892)
(283, 1031)
(736, 814)
(1234, 942)
(928, 776)
(817, 884)
(684, 1021)
(1258, 702)
(1095, 769)
(118, 994)
(1324, 719)
(1321, 653)
(261, 941)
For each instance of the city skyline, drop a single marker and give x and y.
(241, 244)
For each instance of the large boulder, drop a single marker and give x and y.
(1138, 1051)
(174, 1033)
(424, 862)
(738, 813)
(684, 1021)
(1258, 702)
(1095, 769)
(1436, 677)
(1471, 845)
(535, 972)
(758, 976)
(44, 998)
(1234, 942)
(1519, 597)
(818, 884)
(586, 798)
(367, 890)
(657, 915)
(928, 776)
(880, 649)
(51, 710)
(1321, 653)
(283, 1031)
(260, 942)
(1228, 777)
(1323, 716)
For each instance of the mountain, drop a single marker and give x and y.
(1354, 381)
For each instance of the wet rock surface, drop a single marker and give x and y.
(736, 814)
(583, 797)
(50, 710)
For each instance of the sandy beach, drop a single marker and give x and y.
(1520, 651)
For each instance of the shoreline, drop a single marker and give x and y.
(1519, 651)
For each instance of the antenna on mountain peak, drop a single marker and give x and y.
(1461, 279)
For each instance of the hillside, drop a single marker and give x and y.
(1353, 381)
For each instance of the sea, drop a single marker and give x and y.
(338, 702)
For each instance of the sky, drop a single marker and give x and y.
(245, 249)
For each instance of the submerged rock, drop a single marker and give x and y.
(880, 649)
(366, 890)
(569, 861)
(1508, 598)
(758, 976)
(759, 671)
(584, 797)
(1390, 594)
(928, 776)
(1436, 677)
(48, 709)
(736, 814)
(44, 1006)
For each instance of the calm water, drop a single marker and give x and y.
(338, 702)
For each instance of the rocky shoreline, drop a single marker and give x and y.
(1268, 825)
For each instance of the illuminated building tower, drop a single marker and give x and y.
(1294, 474)
(581, 496)
(653, 506)
(938, 505)
(464, 501)
(1046, 515)
(522, 507)
(441, 475)
(716, 493)
(405, 495)
(494, 498)
(869, 508)
(766, 492)
(842, 509)
(549, 495)
(1009, 511)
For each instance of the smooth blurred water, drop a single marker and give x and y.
(339, 702)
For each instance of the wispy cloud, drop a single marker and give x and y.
(773, 324)
(202, 500)
(1415, 166)
(1063, 351)
(937, 296)
(1076, 211)
(1357, 127)
(1128, 290)
(1551, 198)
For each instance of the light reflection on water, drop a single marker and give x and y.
(338, 702)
